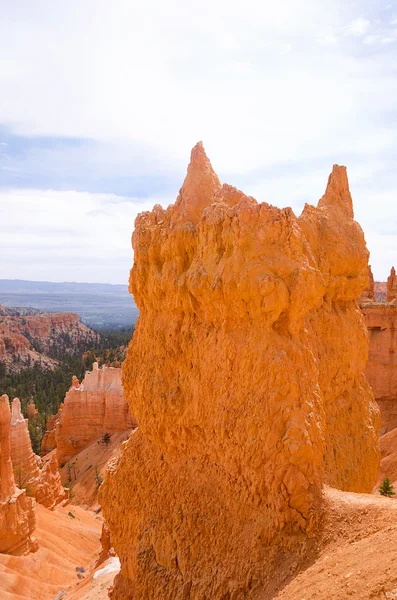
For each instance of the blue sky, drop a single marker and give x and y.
(101, 103)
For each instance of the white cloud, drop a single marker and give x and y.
(262, 84)
(67, 236)
(359, 26)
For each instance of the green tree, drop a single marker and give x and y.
(386, 489)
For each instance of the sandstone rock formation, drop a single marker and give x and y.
(245, 376)
(381, 368)
(50, 491)
(392, 286)
(368, 294)
(32, 411)
(25, 463)
(48, 442)
(41, 480)
(89, 410)
(17, 517)
(27, 338)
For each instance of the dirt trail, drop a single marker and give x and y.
(356, 555)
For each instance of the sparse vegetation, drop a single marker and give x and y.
(386, 489)
(105, 439)
(98, 478)
(69, 487)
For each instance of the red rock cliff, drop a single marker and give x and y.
(25, 339)
(245, 375)
(17, 516)
(381, 369)
(91, 409)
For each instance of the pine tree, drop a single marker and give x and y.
(386, 489)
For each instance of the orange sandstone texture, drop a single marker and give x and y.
(24, 461)
(48, 442)
(41, 480)
(381, 369)
(50, 491)
(20, 333)
(368, 294)
(89, 410)
(392, 286)
(245, 376)
(17, 516)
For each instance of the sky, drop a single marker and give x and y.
(101, 103)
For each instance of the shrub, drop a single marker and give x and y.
(386, 489)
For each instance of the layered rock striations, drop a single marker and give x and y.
(24, 461)
(28, 338)
(245, 376)
(91, 409)
(381, 368)
(40, 480)
(17, 516)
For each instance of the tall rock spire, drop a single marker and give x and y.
(337, 193)
(392, 286)
(201, 183)
(17, 516)
(24, 461)
(7, 482)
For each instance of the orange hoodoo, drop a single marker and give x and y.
(245, 376)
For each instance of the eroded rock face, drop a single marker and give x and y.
(245, 376)
(48, 442)
(41, 480)
(381, 368)
(27, 338)
(32, 411)
(25, 462)
(392, 286)
(50, 491)
(17, 516)
(368, 294)
(90, 409)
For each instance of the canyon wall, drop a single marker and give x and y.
(90, 409)
(27, 338)
(245, 376)
(381, 368)
(17, 516)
